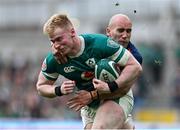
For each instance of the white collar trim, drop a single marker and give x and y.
(81, 49)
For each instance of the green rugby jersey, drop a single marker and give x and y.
(81, 67)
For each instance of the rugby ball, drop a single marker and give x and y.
(106, 70)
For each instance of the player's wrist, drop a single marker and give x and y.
(113, 86)
(58, 91)
(94, 94)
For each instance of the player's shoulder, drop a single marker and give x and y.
(49, 56)
(49, 67)
(95, 41)
(100, 44)
(94, 37)
(50, 59)
(49, 64)
(131, 46)
(100, 40)
(133, 49)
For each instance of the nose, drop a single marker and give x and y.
(124, 34)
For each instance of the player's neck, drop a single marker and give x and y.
(77, 47)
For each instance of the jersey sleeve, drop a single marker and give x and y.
(49, 67)
(135, 52)
(114, 51)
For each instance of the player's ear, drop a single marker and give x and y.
(73, 32)
(108, 31)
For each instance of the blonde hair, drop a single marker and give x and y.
(57, 20)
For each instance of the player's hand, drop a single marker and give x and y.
(58, 55)
(80, 99)
(67, 87)
(101, 86)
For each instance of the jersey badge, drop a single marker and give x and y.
(91, 62)
(44, 65)
(87, 75)
(69, 69)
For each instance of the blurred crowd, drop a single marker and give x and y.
(18, 95)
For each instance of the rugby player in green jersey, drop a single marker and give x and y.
(119, 29)
(83, 52)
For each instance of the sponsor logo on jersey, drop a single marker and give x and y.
(44, 65)
(69, 69)
(91, 62)
(112, 43)
(87, 75)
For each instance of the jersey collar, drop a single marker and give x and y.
(81, 49)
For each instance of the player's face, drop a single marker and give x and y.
(121, 32)
(62, 40)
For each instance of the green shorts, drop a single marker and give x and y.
(126, 102)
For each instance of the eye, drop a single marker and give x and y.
(128, 30)
(58, 39)
(120, 30)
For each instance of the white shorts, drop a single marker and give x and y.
(126, 102)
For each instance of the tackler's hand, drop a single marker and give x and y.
(58, 55)
(80, 99)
